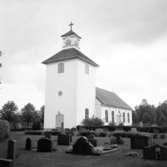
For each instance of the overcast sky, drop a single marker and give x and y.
(127, 38)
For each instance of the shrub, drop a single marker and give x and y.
(162, 136)
(4, 129)
(33, 132)
(93, 122)
(103, 134)
(113, 140)
(36, 125)
(155, 136)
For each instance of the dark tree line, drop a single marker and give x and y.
(27, 117)
(150, 115)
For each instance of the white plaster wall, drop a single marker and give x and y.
(98, 113)
(116, 113)
(85, 91)
(65, 104)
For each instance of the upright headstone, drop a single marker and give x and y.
(44, 145)
(11, 149)
(82, 146)
(64, 139)
(28, 144)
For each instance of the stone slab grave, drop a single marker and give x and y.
(155, 152)
(64, 139)
(11, 151)
(83, 147)
(44, 145)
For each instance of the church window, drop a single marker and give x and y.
(87, 68)
(128, 117)
(106, 115)
(86, 113)
(60, 93)
(61, 68)
(123, 117)
(112, 117)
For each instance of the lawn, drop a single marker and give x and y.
(60, 159)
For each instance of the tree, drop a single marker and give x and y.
(161, 111)
(28, 114)
(41, 113)
(145, 113)
(93, 122)
(8, 112)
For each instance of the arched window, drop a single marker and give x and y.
(128, 115)
(123, 117)
(106, 115)
(112, 116)
(86, 113)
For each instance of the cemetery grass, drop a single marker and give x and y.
(61, 159)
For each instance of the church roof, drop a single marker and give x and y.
(68, 54)
(110, 99)
(71, 32)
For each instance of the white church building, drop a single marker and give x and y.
(71, 94)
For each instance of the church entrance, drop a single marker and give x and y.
(59, 120)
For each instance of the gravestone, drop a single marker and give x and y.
(64, 139)
(11, 151)
(155, 152)
(82, 146)
(28, 144)
(44, 145)
(92, 140)
(140, 141)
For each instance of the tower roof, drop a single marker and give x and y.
(68, 54)
(71, 32)
(110, 99)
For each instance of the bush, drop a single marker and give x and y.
(4, 129)
(36, 125)
(162, 136)
(103, 134)
(93, 122)
(33, 132)
(113, 140)
(155, 136)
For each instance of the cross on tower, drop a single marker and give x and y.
(71, 24)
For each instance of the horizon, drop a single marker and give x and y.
(127, 39)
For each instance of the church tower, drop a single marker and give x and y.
(70, 85)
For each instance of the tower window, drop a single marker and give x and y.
(86, 113)
(61, 68)
(87, 68)
(106, 115)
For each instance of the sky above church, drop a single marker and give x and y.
(127, 38)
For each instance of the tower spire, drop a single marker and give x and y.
(71, 24)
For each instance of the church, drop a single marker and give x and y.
(71, 94)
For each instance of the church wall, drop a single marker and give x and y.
(85, 91)
(66, 103)
(118, 115)
(97, 109)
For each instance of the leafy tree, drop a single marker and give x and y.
(41, 114)
(28, 114)
(93, 122)
(161, 114)
(145, 113)
(8, 112)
